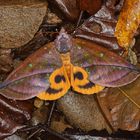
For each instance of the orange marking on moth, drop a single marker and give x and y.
(62, 86)
(79, 85)
(67, 63)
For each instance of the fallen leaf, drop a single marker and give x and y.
(89, 5)
(121, 111)
(13, 115)
(100, 27)
(128, 23)
(66, 9)
(70, 9)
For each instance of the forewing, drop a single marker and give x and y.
(104, 67)
(32, 76)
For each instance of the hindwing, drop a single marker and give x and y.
(80, 82)
(59, 85)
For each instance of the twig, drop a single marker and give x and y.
(125, 94)
(61, 136)
(79, 19)
(50, 113)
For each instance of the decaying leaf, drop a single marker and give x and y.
(100, 27)
(70, 9)
(120, 111)
(89, 5)
(13, 115)
(65, 9)
(128, 22)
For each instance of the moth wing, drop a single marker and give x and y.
(104, 67)
(81, 83)
(32, 76)
(59, 85)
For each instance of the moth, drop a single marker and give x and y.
(67, 63)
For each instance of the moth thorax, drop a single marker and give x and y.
(63, 42)
(66, 63)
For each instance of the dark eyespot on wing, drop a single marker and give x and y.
(53, 91)
(78, 75)
(88, 85)
(59, 78)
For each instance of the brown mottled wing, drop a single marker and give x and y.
(32, 76)
(104, 67)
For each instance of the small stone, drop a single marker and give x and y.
(81, 111)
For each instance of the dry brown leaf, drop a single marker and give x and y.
(128, 22)
(66, 9)
(120, 111)
(89, 5)
(14, 115)
(100, 27)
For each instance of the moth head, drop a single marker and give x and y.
(63, 42)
